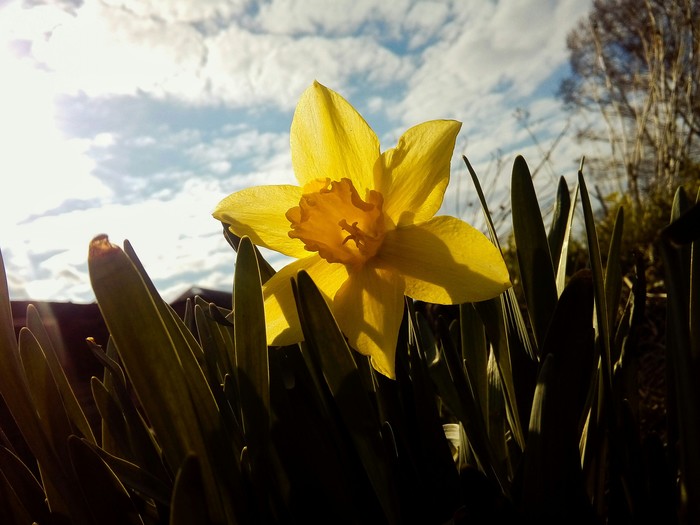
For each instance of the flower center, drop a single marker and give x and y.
(334, 221)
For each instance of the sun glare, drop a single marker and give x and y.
(40, 167)
(46, 167)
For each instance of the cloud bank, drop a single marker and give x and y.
(134, 118)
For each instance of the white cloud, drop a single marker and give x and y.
(424, 21)
(262, 54)
(20, 23)
(489, 59)
(177, 237)
(108, 50)
(184, 10)
(143, 141)
(405, 62)
(249, 144)
(172, 229)
(220, 167)
(124, 48)
(247, 68)
(273, 169)
(489, 56)
(248, 156)
(104, 140)
(338, 18)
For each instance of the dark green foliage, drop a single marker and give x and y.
(534, 259)
(489, 420)
(552, 485)
(679, 246)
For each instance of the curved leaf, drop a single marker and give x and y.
(534, 259)
(70, 402)
(107, 499)
(251, 349)
(325, 340)
(189, 502)
(560, 222)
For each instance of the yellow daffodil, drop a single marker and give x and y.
(362, 224)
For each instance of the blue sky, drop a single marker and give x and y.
(135, 117)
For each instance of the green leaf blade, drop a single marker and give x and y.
(251, 349)
(340, 371)
(534, 259)
(159, 360)
(560, 222)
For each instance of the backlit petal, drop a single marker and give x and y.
(445, 261)
(413, 175)
(369, 308)
(259, 213)
(329, 138)
(281, 317)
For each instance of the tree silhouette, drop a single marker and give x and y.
(635, 83)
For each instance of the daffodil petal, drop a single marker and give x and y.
(329, 138)
(259, 213)
(369, 309)
(413, 176)
(445, 261)
(282, 320)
